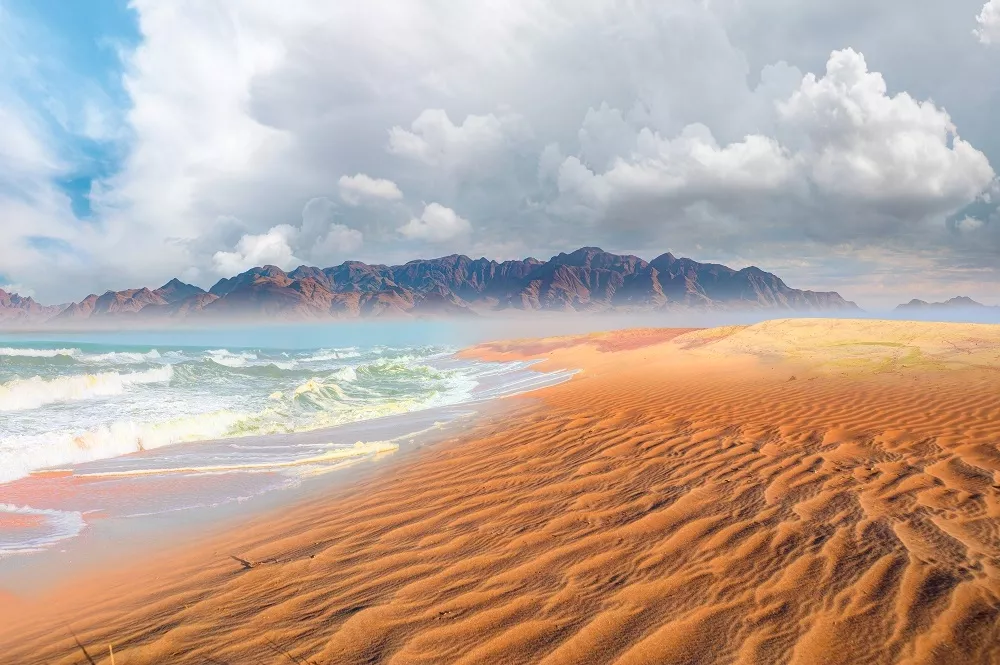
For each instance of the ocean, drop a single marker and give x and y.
(125, 425)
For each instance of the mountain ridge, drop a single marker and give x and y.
(585, 280)
(958, 302)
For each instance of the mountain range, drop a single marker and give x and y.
(588, 279)
(959, 302)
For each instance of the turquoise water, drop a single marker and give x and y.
(135, 423)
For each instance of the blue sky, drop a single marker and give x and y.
(70, 74)
(846, 147)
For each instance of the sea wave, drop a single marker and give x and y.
(121, 357)
(38, 353)
(36, 392)
(230, 359)
(20, 455)
(326, 355)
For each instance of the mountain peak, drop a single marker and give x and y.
(952, 303)
(175, 291)
(963, 301)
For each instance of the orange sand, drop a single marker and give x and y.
(19, 521)
(792, 492)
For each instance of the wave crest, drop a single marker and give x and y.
(33, 393)
(122, 357)
(38, 353)
(21, 455)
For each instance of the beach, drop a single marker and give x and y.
(797, 491)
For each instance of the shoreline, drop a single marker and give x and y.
(796, 492)
(85, 508)
(90, 552)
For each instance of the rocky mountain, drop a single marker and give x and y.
(959, 302)
(176, 291)
(587, 280)
(15, 308)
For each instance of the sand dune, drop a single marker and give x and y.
(790, 492)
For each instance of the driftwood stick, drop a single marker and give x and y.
(247, 565)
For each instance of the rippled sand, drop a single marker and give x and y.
(806, 491)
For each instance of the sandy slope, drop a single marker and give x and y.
(792, 492)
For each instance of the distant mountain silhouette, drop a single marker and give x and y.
(959, 302)
(587, 280)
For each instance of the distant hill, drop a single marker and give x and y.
(587, 280)
(959, 302)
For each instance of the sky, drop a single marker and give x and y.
(846, 146)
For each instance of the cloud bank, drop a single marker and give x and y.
(313, 132)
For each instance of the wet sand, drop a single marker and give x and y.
(805, 491)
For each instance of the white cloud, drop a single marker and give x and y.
(691, 165)
(360, 187)
(988, 30)
(318, 240)
(271, 248)
(436, 224)
(322, 238)
(531, 117)
(894, 150)
(967, 224)
(19, 289)
(436, 141)
(842, 144)
(23, 152)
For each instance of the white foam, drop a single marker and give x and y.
(33, 393)
(20, 455)
(56, 525)
(229, 359)
(122, 357)
(326, 355)
(345, 374)
(38, 353)
(359, 449)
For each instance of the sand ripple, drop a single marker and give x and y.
(778, 495)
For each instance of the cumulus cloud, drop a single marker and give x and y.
(691, 165)
(844, 150)
(637, 126)
(436, 224)
(358, 188)
(435, 140)
(891, 150)
(271, 248)
(318, 240)
(988, 30)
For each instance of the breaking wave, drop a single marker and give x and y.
(38, 353)
(33, 393)
(20, 455)
(122, 357)
(229, 359)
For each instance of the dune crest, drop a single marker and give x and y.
(801, 492)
